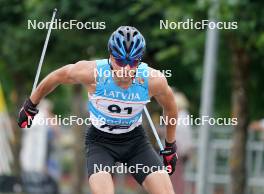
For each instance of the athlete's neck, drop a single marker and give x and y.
(121, 82)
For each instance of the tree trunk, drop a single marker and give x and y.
(79, 164)
(240, 74)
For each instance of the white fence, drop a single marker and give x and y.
(218, 176)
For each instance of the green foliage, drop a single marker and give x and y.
(182, 51)
(249, 37)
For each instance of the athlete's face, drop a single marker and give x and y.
(124, 72)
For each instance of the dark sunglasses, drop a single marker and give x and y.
(123, 63)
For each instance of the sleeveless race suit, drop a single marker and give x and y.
(114, 109)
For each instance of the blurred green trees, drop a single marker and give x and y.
(181, 51)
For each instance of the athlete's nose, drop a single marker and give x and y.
(127, 67)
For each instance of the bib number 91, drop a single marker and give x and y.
(117, 109)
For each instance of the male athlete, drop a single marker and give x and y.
(118, 89)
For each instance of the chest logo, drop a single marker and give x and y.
(124, 96)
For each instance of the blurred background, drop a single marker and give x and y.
(214, 72)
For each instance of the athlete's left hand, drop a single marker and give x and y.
(170, 156)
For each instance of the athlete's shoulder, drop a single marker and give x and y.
(82, 71)
(85, 66)
(85, 63)
(156, 75)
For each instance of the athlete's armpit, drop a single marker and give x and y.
(158, 84)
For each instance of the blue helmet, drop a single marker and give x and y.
(126, 43)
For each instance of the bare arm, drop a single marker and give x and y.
(161, 91)
(81, 72)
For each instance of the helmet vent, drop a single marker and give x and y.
(116, 50)
(131, 45)
(137, 52)
(135, 33)
(124, 44)
(137, 43)
(121, 32)
(118, 42)
(128, 37)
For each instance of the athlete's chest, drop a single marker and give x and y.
(122, 103)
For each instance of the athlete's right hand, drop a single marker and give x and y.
(26, 114)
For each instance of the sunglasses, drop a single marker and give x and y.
(131, 63)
